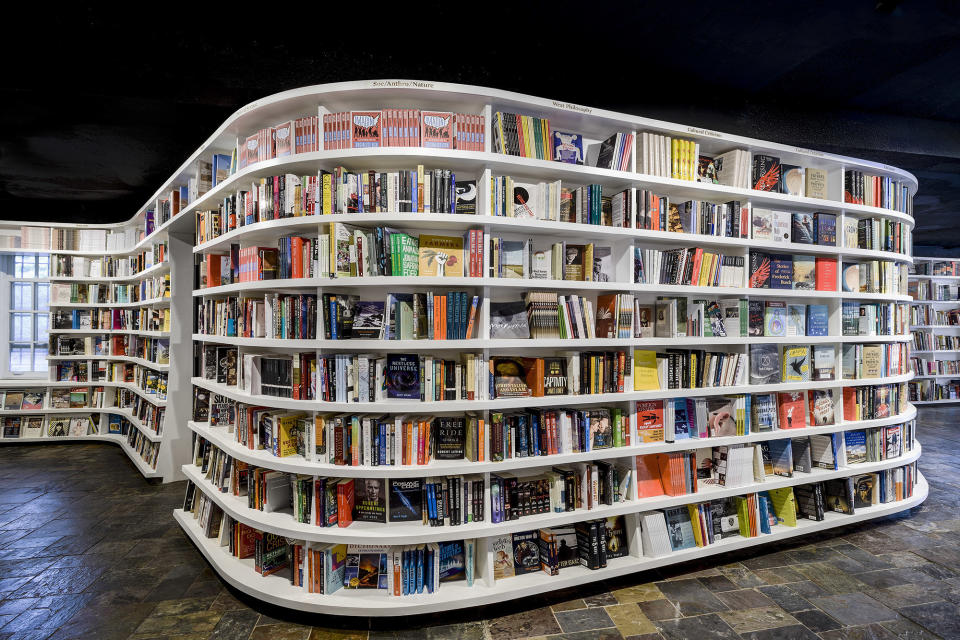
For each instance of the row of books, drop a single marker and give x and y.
(921, 290)
(927, 315)
(922, 367)
(148, 289)
(876, 191)
(402, 316)
(275, 315)
(937, 268)
(142, 319)
(687, 266)
(547, 315)
(68, 266)
(931, 390)
(874, 318)
(798, 228)
(150, 381)
(792, 271)
(147, 348)
(930, 341)
(404, 128)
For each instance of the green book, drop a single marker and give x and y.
(404, 253)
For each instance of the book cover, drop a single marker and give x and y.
(512, 263)
(405, 500)
(763, 410)
(440, 256)
(567, 147)
(450, 442)
(792, 180)
(465, 193)
(781, 457)
(762, 224)
(864, 490)
(600, 429)
(602, 264)
(555, 376)
(526, 552)
(804, 272)
(606, 314)
(825, 229)
(856, 446)
(851, 277)
(824, 362)
(764, 364)
(815, 183)
(796, 363)
(12, 400)
(760, 265)
(679, 528)
(721, 416)
(368, 319)
(796, 320)
(511, 376)
(542, 268)
(817, 320)
(616, 537)
(644, 321)
(802, 228)
(826, 274)
(707, 170)
(756, 319)
(650, 421)
(782, 226)
(402, 376)
(775, 319)
(781, 271)
(838, 495)
(502, 547)
(508, 320)
(366, 567)
(573, 261)
(792, 410)
(821, 407)
(436, 129)
(766, 173)
(451, 561)
(370, 500)
(364, 129)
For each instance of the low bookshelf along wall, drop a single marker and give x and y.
(454, 346)
(935, 323)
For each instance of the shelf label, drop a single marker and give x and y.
(810, 152)
(705, 132)
(401, 83)
(569, 106)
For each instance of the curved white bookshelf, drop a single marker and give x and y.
(482, 164)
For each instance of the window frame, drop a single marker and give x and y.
(7, 280)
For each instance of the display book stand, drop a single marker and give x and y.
(156, 450)
(934, 297)
(595, 125)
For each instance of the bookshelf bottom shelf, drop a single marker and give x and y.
(119, 440)
(277, 590)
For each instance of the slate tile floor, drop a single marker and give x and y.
(88, 549)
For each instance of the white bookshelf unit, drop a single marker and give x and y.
(107, 339)
(935, 312)
(215, 489)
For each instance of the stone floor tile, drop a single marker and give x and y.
(638, 593)
(854, 608)
(779, 575)
(706, 627)
(743, 620)
(816, 620)
(691, 597)
(185, 623)
(744, 599)
(521, 625)
(785, 597)
(583, 619)
(861, 632)
(282, 631)
(792, 632)
(629, 620)
(718, 583)
(942, 618)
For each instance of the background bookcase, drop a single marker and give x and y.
(484, 166)
(935, 312)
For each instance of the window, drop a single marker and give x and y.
(25, 297)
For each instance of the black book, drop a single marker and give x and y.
(755, 326)
(605, 158)
(466, 193)
(766, 173)
(210, 361)
(403, 376)
(802, 228)
(526, 552)
(369, 500)
(450, 438)
(201, 405)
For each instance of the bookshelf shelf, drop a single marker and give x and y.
(277, 590)
(297, 464)
(153, 302)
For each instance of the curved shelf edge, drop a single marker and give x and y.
(282, 523)
(277, 590)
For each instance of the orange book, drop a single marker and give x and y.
(826, 274)
(850, 403)
(213, 270)
(648, 476)
(296, 259)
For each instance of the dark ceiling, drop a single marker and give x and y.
(101, 104)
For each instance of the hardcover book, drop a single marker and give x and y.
(817, 320)
(441, 256)
(825, 229)
(555, 376)
(568, 147)
(762, 224)
(766, 173)
(508, 320)
(679, 528)
(763, 410)
(821, 407)
(402, 376)
(764, 364)
(793, 414)
(515, 377)
(368, 319)
(815, 183)
(851, 278)
(650, 421)
(405, 500)
(602, 264)
(775, 319)
(436, 129)
(756, 322)
(802, 228)
(796, 363)
(856, 446)
(781, 271)
(466, 197)
(526, 552)
(824, 362)
(796, 320)
(792, 182)
(804, 272)
(370, 500)
(760, 265)
(826, 274)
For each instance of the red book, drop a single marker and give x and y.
(246, 541)
(345, 502)
(826, 274)
(213, 270)
(850, 403)
(792, 410)
(648, 476)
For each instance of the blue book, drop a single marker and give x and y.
(679, 529)
(817, 320)
(825, 229)
(220, 168)
(781, 271)
(681, 425)
(567, 147)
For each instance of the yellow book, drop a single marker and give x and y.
(695, 523)
(327, 187)
(419, 204)
(784, 505)
(166, 319)
(645, 376)
(441, 256)
(675, 158)
(528, 151)
(289, 438)
(588, 261)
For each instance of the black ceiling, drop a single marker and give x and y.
(100, 105)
